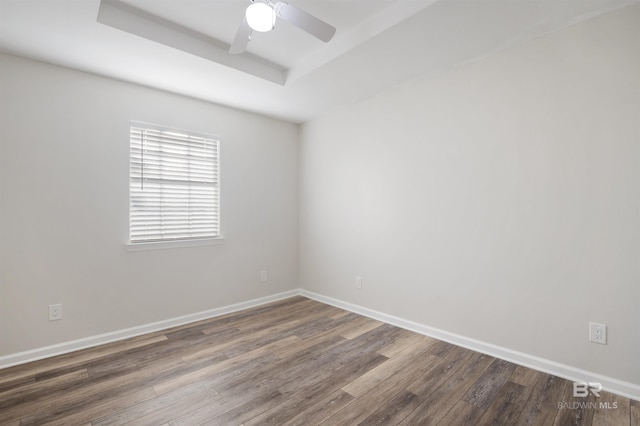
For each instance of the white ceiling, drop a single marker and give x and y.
(286, 73)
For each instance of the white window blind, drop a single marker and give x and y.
(173, 185)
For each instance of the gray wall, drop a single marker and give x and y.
(64, 220)
(498, 200)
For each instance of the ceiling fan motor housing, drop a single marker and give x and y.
(261, 17)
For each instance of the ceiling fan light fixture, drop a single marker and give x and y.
(261, 17)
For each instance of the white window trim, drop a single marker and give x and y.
(162, 245)
(171, 244)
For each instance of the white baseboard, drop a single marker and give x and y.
(610, 384)
(87, 342)
(619, 387)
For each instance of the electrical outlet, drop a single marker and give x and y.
(359, 283)
(263, 276)
(55, 312)
(598, 333)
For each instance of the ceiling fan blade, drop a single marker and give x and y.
(242, 38)
(304, 21)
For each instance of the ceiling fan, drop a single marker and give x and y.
(261, 16)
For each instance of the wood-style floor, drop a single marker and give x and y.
(293, 362)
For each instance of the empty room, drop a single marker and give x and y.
(319, 212)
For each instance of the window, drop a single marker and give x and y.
(174, 192)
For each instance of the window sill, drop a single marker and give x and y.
(161, 245)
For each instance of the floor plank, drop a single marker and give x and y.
(74, 358)
(611, 410)
(442, 371)
(394, 410)
(484, 391)
(371, 379)
(302, 394)
(462, 414)
(406, 340)
(575, 411)
(507, 405)
(542, 406)
(525, 376)
(157, 410)
(322, 410)
(364, 405)
(635, 413)
(293, 362)
(441, 399)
